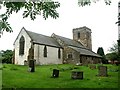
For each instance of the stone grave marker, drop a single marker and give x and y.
(32, 65)
(77, 75)
(55, 73)
(102, 71)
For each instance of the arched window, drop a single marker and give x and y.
(59, 53)
(78, 35)
(45, 51)
(21, 45)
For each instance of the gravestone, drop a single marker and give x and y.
(25, 62)
(92, 66)
(102, 70)
(77, 75)
(55, 73)
(32, 65)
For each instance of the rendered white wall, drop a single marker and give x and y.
(52, 55)
(19, 59)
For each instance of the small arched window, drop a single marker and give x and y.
(45, 51)
(59, 53)
(21, 45)
(78, 35)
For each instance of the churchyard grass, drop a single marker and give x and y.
(0, 76)
(16, 76)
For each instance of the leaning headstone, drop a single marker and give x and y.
(55, 73)
(32, 65)
(77, 75)
(102, 70)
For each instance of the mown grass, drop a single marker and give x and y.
(0, 76)
(15, 76)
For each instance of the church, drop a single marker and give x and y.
(55, 49)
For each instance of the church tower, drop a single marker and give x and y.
(83, 35)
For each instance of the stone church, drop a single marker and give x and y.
(55, 49)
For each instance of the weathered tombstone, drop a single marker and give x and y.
(32, 65)
(25, 62)
(102, 70)
(77, 75)
(92, 66)
(55, 73)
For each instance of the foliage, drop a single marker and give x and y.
(118, 47)
(114, 48)
(41, 78)
(100, 51)
(113, 55)
(88, 2)
(1, 57)
(31, 9)
(7, 56)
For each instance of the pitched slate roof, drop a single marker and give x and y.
(84, 51)
(42, 39)
(68, 41)
(77, 46)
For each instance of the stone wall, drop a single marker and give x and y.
(75, 56)
(84, 59)
(84, 36)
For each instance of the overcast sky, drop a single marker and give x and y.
(100, 18)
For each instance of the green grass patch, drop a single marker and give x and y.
(1, 75)
(16, 76)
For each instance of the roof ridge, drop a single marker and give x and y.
(69, 40)
(62, 36)
(80, 47)
(37, 33)
(42, 39)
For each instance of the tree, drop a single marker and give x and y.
(1, 57)
(113, 55)
(114, 48)
(100, 51)
(32, 8)
(88, 2)
(7, 56)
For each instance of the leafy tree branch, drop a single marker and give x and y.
(31, 9)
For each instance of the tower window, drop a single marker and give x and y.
(78, 35)
(45, 51)
(21, 46)
(59, 53)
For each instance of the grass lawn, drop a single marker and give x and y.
(15, 76)
(0, 76)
